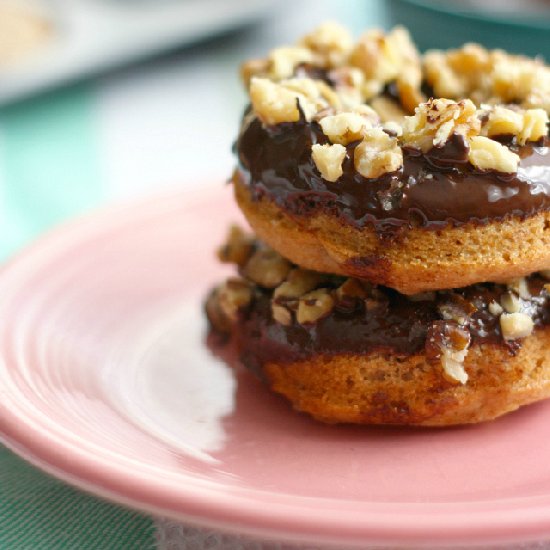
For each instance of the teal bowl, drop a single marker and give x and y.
(445, 25)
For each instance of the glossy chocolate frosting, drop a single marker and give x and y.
(395, 324)
(432, 190)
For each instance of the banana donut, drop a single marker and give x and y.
(345, 166)
(346, 351)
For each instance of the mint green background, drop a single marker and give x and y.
(49, 163)
(38, 512)
(50, 170)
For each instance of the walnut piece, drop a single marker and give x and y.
(238, 247)
(234, 295)
(267, 268)
(283, 61)
(495, 308)
(331, 42)
(298, 282)
(275, 103)
(382, 56)
(377, 154)
(343, 128)
(487, 154)
(436, 120)
(526, 125)
(314, 306)
(329, 159)
(515, 325)
(510, 302)
(520, 287)
(388, 110)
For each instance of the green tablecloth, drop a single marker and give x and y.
(50, 170)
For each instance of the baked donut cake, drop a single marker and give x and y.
(414, 172)
(344, 350)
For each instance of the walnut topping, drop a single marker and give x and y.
(377, 154)
(520, 287)
(281, 314)
(388, 110)
(502, 121)
(238, 247)
(298, 282)
(266, 268)
(383, 56)
(495, 308)
(436, 120)
(328, 159)
(526, 125)
(331, 42)
(344, 128)
(515, 325)
(275, 103)
(283, 61)
(535, 126)
(487, 154)
(488, 76)
(314, 306)
(448, 344)
(234, 295)
(510, 302)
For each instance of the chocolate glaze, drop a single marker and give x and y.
(431, 191)
(398, 325)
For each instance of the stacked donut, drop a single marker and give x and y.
(399, 271)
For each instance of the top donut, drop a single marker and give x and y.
(418, 172)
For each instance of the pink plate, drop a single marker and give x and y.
(106, 383)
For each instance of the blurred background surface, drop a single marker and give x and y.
(105, 100)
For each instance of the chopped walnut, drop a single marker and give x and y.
(234, 295)
(535, 126)
(343, 128)
(515, 325)
(436, 120)
(377, 154)
(456, 73)
(281, 314)
(253, 67)
(487, 154)
(502, 121)
(383, 56)
(298, 282)
(388, 110)
(510, 302)
(267, 268)
(314, 305)
(526, 125)
(329, 159)
(408, 87)
(238, 247)
(275, 103)
(283, 61)
(331, 42)
(520, 287)
(393, 129)
(349, 82)
(488, 76)
(448, 343)
(495, 308)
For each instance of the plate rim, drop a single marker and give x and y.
(522, 520)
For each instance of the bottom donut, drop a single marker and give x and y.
(343, 350)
